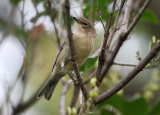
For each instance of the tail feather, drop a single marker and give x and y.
(48, 89)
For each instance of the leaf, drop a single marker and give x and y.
(150, 16)
(103, 8)
(89, 64)
(15, 2)
(135, 107)
(156, 109)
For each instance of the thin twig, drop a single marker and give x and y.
(127, 15)
(121, 38)
(74, 61)
(75, 93)
(130, 76)
(114, 29)
(24, 105)
(81, 7)
(52, 18)
(91, 11)
(106, 34)
(63, 97)
(60, 16)
(124, 64)
(100, 16)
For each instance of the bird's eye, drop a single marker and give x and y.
(85, 24)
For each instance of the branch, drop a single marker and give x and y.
(127, 14)
(114, 29)
(121, 38)
(91, 10)
(75, 93)
(52, 18)
(60, 16)
(106, 34)
(74, 61)
(81, 6)
(63, 97)
(123, 64)
(24, 105)
(102, 97)
(100, 16)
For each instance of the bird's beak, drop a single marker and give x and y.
(76, 19)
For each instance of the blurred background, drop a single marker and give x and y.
(28, 48)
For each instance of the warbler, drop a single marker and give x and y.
(83, 42)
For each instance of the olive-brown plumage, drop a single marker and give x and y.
(83, 42)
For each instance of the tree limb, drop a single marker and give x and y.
(106, 34)
(52, 18)
(91, 10)
(130, 76)
(114, 29)
(69, 36)
(63, 97)
(121, 38)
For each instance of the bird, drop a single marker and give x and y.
(83, 37)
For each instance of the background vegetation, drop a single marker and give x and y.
(31, 32)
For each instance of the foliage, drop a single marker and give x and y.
(137, 106)
(117, 103)
(15, 2)
(150, 16)
(103, 7)
(89, 64)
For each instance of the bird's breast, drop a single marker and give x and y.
(83, 47)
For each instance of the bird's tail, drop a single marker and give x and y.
(48, 89)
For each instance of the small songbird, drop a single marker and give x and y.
(83, 42)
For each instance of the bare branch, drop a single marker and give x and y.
(106, 34)
(63, 97)
(91, 10)
(24, 105)
(127, 14)
(81, 6)
(123, 64)
(122, 37)
(60, 15)
(130, 76)
(69, 36)
(114, 29)
(52, 18)
(100, 16)
(75, 93)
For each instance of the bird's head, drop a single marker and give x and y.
(83, 25)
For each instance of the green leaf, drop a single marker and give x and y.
(103, 8)
(15, 2)
(134, 107)
(150, 16)
(89, 64)
(156, 109)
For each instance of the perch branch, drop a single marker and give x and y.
(74, 61)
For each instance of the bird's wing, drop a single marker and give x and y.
(61, 58)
